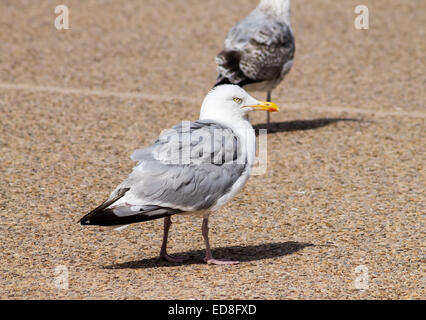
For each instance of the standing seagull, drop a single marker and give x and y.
(194, 168)
(258, 51)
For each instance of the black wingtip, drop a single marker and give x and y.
(87, 219)
(221, 80)
(84, 222)
(105, 216)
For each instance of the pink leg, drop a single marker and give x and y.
(163, 252)
(209, 258)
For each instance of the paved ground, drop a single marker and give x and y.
(345, 185)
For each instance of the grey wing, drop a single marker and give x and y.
(188, 168)
(259, 48)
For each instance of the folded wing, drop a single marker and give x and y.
(258, 48)
(188, 168)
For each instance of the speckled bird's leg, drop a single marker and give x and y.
(268, 116)
(209, 258)
(163, 252)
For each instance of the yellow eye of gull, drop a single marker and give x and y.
(237, 100)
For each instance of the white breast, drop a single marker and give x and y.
(248, 141)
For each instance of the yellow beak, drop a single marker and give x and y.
(268, 106)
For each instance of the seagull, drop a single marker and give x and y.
(258, 51)
(193, 168)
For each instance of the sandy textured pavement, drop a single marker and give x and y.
(341, 206)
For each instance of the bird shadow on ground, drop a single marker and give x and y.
(300, 125)
(238, 253)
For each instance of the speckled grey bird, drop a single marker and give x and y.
(258, 51)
